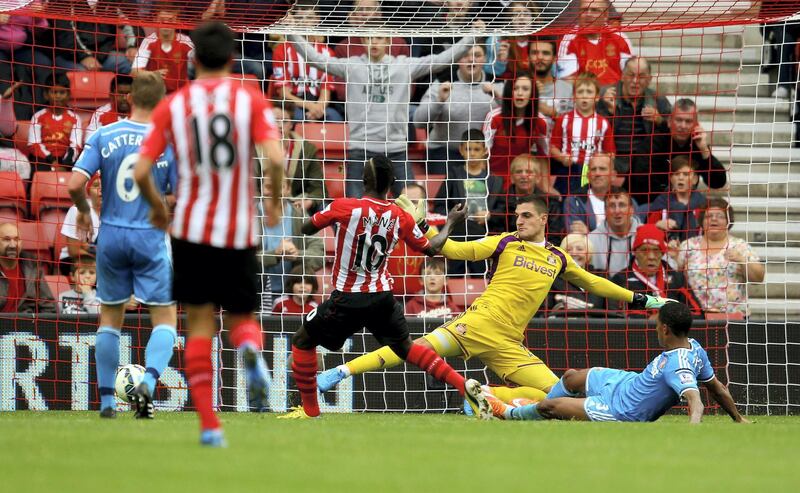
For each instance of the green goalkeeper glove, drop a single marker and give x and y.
(645, 301)
(418, 211)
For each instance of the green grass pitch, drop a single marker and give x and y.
(76, 451)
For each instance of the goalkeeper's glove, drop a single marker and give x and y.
(418, 211)
(643, 301)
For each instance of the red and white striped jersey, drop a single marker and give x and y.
(103, 116)
(212, 125)
(154, 55)
(582, 136)
(290, 69)
(368, 229)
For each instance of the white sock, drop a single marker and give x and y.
(344, 369)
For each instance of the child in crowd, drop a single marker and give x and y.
(675, 212)
(433, 301)
(299, 294)
(578, 135)
(55, 136)
(82, 298)
(166, 51)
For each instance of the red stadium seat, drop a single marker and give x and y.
(50, 221)
(463, 291)
(11, 215)
(416, 148)
(12, 191)
(334, 185)
(34, 239)
(49, 190)
(57, 284)
(89, 89)
(433, 183)
(329, 137)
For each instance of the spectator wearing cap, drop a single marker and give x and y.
(650, 273)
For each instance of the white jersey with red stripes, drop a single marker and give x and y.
(213, 125)
(580, 136)
(367, 231)
(290, 69)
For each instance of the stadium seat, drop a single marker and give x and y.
(57, 284)
(464, 290)
(34, 239)
(334, 185)
(49, 190)
(21, 135)
(50, 221)
(89, 89)
(11, 215)
(433, 183)
(12, 192)
(329, 137)
(416, 148)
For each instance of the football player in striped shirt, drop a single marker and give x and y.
(492, 329)
(368, 230)
(606, 394)
(214, 123)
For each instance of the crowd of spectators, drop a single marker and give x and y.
(626, 174)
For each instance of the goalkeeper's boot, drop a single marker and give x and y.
(213, 438)
(329, 379)
(108, 413)
(142, 401)
(257, 379)
(477, 399)
(297, 412)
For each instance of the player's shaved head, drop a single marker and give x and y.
(147, 90)
(677, 317)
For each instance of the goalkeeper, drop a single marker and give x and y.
(492, 329)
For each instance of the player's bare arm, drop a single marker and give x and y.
(308, 228)
(77, 191)
(272, 153)
(159, 215)
(456, 214)
(696, 406)
(719, 392)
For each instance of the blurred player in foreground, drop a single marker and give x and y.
(133, 257)
(606, 394)
(493, 327)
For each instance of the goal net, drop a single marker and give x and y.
(476, 102)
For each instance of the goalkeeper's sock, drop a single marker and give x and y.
(526, 413)
(106, 356)
(508, 394)
(435, 366)
(559, 390)
(379, 359)
(158, 353)
(200, 374)
(304, 368)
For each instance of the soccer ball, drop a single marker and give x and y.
(128, 377)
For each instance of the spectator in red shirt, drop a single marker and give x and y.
(433, 301)
(309, 88)
(165, 51)
(515, 127)
(592, 48)
(299, 292)
(116, 109)
(22, 285)
(55, 135)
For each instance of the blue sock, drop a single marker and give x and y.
(158, 353)
(106, 356)
(558, 390)
(526, 413)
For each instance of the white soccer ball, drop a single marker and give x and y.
(128, 377)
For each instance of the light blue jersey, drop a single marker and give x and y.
(114, 150)
(617, 395)
(133, 257)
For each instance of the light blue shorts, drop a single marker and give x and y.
(134, 262)
(600, 385)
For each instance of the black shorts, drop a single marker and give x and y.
(223, 276)
(344, 314)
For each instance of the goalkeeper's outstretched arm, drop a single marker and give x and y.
(607, 289)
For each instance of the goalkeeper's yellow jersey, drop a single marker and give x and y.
(521, 275)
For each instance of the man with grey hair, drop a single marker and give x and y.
(378, 89)
(685, 136)
(638, 114)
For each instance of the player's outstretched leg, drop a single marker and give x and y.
(304, 370)
(380, 359)
(106, 355)
(247, 339)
